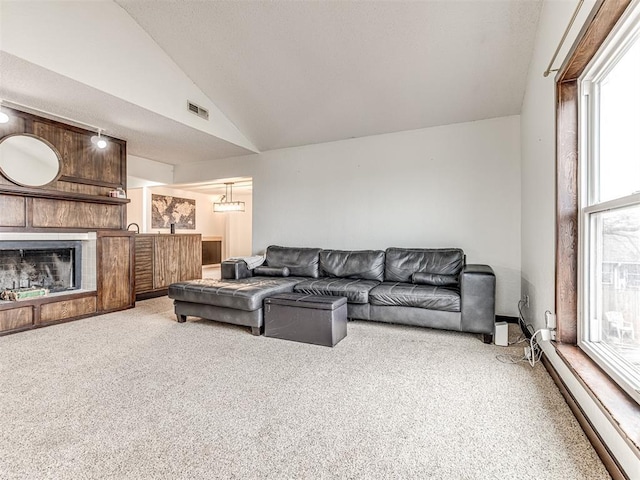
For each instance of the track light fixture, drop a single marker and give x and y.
(98, 141)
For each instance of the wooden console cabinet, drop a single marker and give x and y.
(163, 259)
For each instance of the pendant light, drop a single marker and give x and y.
(226, 203)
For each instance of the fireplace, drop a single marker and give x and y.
(52, 265)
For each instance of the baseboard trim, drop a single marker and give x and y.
(153, 294)
(505, 318)
(601, 449)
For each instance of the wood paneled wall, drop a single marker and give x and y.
(79, 199)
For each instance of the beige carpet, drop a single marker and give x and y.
(136, 395)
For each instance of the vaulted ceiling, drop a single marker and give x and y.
(282, 73)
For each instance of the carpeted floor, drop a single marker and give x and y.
(136, 395)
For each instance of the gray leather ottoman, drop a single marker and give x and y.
(230, 301)
(317, 319)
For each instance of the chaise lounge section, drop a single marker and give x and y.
(230, 301)
(423, 287)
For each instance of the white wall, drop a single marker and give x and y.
(538, 159)
(144, 172)
(538, 203)
(239, 228)
(130, 64)
(135, 208)
(449, 186)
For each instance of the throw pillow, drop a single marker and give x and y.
(271, 271)
(435, 279)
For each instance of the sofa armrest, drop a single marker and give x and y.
(234, 270)
(478, 299)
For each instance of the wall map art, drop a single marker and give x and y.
(166, 210)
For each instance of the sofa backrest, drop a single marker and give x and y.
(362, 264)
(402, 263)
(301, 262)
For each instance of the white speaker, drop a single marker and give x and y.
(501, 336)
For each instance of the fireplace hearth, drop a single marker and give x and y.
(52, 265)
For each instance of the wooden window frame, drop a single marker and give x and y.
(614, 402)
(602, 20)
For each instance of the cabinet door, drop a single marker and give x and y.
(16, 318)
(211, 252)
(52, 312)
(190, 257)
(144, 264)
(167, 261)
(115, 278)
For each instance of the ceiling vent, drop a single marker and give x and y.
(201, 112)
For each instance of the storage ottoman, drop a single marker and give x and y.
(317, 319)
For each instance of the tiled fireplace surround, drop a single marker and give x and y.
(87, 242)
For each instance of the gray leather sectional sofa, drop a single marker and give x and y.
(424, 287)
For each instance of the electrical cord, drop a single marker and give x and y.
(521, 339)
(521, 322)
(536, 350)
(535, 353)
(523, 325)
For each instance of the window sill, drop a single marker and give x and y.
(622, 411)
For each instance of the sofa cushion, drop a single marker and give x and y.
(402, 263)
(436, 279)
(363, 264)
(243, 294)
(271, 271)
(356, 291)
(302, 262)
(412, 295)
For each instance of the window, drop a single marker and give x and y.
(609, 202)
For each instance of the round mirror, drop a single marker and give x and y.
(28, 160)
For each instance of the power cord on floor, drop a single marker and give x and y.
(533, 353)
(521, 339)
(535, 350)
